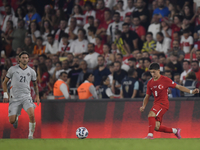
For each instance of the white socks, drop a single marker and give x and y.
(31, 128)
(150, 134)
(174, 130)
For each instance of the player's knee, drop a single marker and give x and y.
(151, 114)
(157, 128)
(31, 116)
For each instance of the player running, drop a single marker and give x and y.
(159, 85)
(20, 94)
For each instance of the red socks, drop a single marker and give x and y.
(152, 123)
(165, 129)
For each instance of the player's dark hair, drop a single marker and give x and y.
(154, 66)
(104, 78)
(63, 72)
(132, 59)
(131, 72)
(86, 75)
(22, 53)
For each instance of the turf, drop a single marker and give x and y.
(99, 144)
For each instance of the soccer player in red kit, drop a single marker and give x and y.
(158, 86)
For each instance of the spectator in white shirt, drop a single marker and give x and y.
(8, 16)
(52, 45)
(65, 68)
(72, 29)
(49, 65)
(155, 26)
(79, 46)
(2, 8)
(64, 46)
(187, 69)
(120, 10)
(46, 30)
(119, 57)
(34, 31)
(89, 11)
(91, 58)
(186, 41)
(91, 34)
(131, 8)
(116, 25)
(163, 44)
(90, 23)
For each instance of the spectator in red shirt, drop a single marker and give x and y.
(100, 10)
(140, 30)
(196, 69)
(43, 76)
(99, 45)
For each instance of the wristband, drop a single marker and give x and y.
(190, 91)
(5, 95)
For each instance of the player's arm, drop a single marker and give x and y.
(37, 98)
(145, 102)
(4, 85)
(184, 89)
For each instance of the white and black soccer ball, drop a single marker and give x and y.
(82, 132)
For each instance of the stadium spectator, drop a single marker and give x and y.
(163, 44)
(90, 23)
(55, 59)
(100, 9)
(132, 64)
(130, 85)
(154, 27)
(165, 29)
(43, 76)
(118, 76)
(74, 73)
(87, 90)
(162, 9)
(187, 69)
(147, 62)
(8, 16)
(3, 7)
(145, 54)
(139, 29)
(111, 69)
(58, 66)
(119, 57)
(48, 15)
(104, 91)
(28, 45)
(177, 65)
(50, 67)
(39, 48)
(51, 45)
(78, 14)
(61, 30)
(32, 15)
(196, 69)
(114, 26)
(100, 72)
(72, 29)
(65, 67)
(61, 89)
(91, 34)
(130, 8)
(79, 46)
(99, 45)
(34, 31)
(89, 11)
(64, 46)
(155, 58)
(186, 41)
(59, 15)
(42, 58)
(108, 57)
(46, 29)
(150, 44)
(120, 9)
(130, 37)
(18, 35)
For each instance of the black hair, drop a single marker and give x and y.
(23, 13)
(39, 38)
(187, 62)
(92, 29)
(147, 73)
(43, 55)
(83, 30)
(90, 17)
(131, 72)
(161, 55)
(148, 59)
(116, 13)
(132, 59)
(118, 32)
(167, 71)
(195, 61)
(149, 33)
(86, 75)
(60, 63)
(88, 3)
(125, 24)
(186, 31)
(65, 35)
(191, 75)
(99, 37)
(136, 17)
(111, 65)
(50, 35)
(119, 54)
(63, 72)
(118, 63)
(176, 74)
(160, 33)
(91, 44)
(120, 1)
(104, 78)
(154, 66)
(22, 53)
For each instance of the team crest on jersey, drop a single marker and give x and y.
(126, 88)
(28, 74)
(160, 86)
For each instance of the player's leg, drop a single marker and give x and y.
(152, 121)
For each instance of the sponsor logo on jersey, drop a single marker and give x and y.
(160, 86)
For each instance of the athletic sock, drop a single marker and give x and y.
(31, 128)
(174, 130)
(152, 123)
(166, 129)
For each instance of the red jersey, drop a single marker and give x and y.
(159, 89)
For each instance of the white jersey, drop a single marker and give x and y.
(20, 82)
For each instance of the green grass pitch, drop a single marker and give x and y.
(99, 144)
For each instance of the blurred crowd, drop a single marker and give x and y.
(114, 40)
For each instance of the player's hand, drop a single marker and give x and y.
(5, 100)
(37, 99)
(195, 91)
(142, 109)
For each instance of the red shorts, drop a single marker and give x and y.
(159, 111)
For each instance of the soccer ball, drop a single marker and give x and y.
(82, 132)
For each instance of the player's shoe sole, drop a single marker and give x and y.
(178, 133)
(149, 137)
(15, 125)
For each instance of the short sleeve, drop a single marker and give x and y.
(33, 76)
(191, 40)
(10, 73)
(170, 83)
(149, 92)
(109, 92)
(136, 85)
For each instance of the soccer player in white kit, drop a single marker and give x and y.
(20, 94)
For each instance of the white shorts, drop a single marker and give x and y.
(15, 107)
